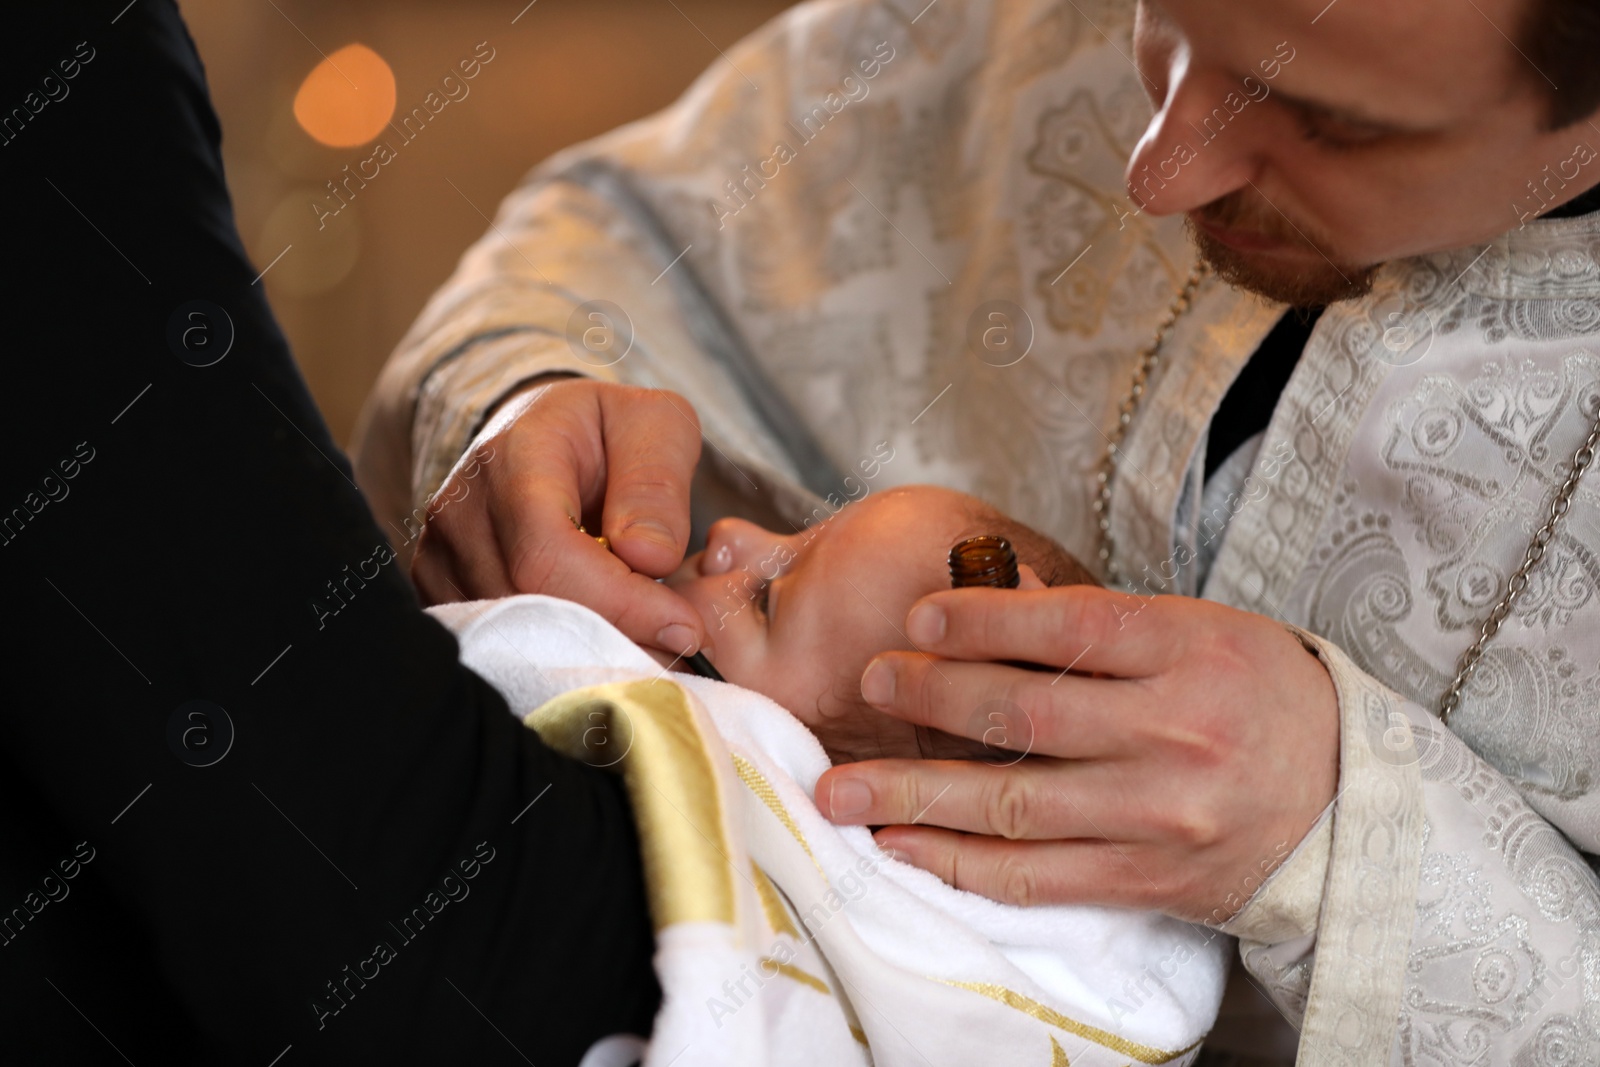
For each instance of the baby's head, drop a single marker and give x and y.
(798, 616)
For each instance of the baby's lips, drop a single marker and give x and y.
(686, 572)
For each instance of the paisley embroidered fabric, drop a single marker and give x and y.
(1446, 914)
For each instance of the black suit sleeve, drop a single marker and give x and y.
(250, 803)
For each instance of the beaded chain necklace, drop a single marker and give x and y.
(1150, 358)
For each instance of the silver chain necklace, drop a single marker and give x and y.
(1581, 461)
(1150, 358)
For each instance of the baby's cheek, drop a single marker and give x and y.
(748, 662)
(806, 694)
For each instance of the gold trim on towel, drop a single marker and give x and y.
(772, 904)
(646, 730)
(769, 796)
(1051, 1017)
(1058, 1055)
(789, 970)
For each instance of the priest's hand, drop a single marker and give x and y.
(617, 458)
(1174, 753)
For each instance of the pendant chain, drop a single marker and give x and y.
(1582, 459)
(1150, 358)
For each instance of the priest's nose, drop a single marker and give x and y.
(1205, 142)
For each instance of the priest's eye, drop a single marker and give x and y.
(1338, 134)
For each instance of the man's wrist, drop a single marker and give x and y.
(499, 414)
(455, 400)
(525, 386)
(1288, 903)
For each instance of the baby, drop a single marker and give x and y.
(782, 939)
(797, 616)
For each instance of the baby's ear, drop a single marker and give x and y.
(1029, 580)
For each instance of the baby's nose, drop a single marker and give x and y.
(717, 560)
(728, 542)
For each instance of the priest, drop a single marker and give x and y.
(1279, 313)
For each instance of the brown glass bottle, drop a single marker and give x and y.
(984, 561)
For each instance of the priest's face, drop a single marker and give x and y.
(1307, 142)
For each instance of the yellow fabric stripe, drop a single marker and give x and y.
(646, 730)
(789, 970)
(772, 904)
(1051, 1017)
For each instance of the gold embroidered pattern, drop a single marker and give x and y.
(1051, 1017)
(769, 796)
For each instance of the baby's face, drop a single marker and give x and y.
(798, 616)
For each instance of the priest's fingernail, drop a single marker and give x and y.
(650, 530)
(926, 624)
(847, 797)
(877, 684)
(677, 638)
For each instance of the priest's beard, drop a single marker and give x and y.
(1298, 283)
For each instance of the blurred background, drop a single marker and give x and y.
(306, 88)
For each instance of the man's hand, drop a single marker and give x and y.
(1188, 766)
(618, 458)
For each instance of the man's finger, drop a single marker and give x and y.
(652, 444)
(1028, 873)
(442, 577)
(1039, 800)
(457, 558)
(551, 470)
(1081, 627)
(552, 557)
(1008, 709)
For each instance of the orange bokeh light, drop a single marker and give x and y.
(347, 99)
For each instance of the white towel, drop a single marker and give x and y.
(855, 958)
